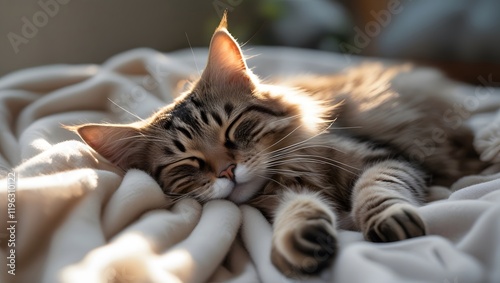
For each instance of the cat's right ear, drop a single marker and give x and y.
(117, 143)
(226, 63)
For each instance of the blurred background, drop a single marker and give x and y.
(461, 37)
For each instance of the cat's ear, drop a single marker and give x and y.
(117, 143)
(225, 59)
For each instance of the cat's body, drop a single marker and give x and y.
(354, 149)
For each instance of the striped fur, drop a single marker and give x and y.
(313, 154)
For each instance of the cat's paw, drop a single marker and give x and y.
(304, 249)
(397, 222)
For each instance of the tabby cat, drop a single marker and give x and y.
(314, 154)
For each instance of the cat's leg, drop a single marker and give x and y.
(304, 234)
(385, 198)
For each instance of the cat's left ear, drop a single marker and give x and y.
(225, 60)
(120, 144)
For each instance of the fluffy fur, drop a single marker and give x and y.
(356, 150)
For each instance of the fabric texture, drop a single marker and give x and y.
(81, 219)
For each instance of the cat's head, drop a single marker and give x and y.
(224, 138)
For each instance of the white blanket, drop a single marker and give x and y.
(80, 219)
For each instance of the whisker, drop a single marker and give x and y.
(283, 119)
(280, 139)
(290, 150)
(255, 33)
(344, 128)
(116, 104)
(147, 139)
(271, 179)
(301, 142)
(311, 160)
(291, 172)
(280, 157)
(192, 53)
(176, 197)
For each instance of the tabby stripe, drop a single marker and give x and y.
(413, 186)
(204, 117)
(247, 126)
(183, 184)
(167, 124)
(167, 151)
(378, 202)
(185, 132)
(179, 145)
(185, 115)
(392, 180)
(419, 180)
(409, 173)
(172, 181)
(380, 206)
(252, 126)
(257, 132)
(414, 190)
(396, 180)
(194, 125)
(228, 108)
(159, 169)
(182, 187)
(217, 118)
(195, 102)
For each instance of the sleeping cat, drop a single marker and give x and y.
(356, 150)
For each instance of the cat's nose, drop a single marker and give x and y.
(228, 172)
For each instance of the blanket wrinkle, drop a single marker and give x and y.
(137, 193)
(45, 79)
(82, 219)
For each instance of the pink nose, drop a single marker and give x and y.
(228, 172)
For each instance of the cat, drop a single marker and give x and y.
(355, 150)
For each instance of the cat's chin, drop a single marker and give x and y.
(245, 191)
(236, 192)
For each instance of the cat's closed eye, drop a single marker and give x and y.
(245, 130)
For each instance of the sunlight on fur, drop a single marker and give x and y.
(311, 111)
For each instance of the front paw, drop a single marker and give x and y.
(305, 248)
(397, 222)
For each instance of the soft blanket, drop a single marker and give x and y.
(68, 215)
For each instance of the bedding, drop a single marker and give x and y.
(74, 217)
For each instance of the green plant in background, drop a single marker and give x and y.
(318, 24)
